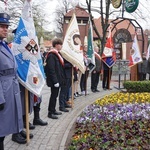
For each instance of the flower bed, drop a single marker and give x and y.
(119, 121)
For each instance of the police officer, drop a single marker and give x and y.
(10, 102)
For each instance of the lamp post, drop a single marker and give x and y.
(123, 6)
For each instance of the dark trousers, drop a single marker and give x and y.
(83, 81)
(64, 93)
(53, 99)
(2, 143)
(142, 76)
(94, 80)
(106, 78)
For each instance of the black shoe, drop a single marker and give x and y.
(97, 90)
(93, 90)
(104, 89)
(31, 126)
(67, 106)
(75, 95)
(52, 116)
(17, 137)
(57, 113)
(39, 122)
(109, 88)
(24, 135)
(64, 109)
(78, 94)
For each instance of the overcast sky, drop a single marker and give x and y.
(142, 14)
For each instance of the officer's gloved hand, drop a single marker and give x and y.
(1, 106)
(56, 85)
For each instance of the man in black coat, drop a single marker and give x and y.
(107, 72)
(64, 92)
(55, 77)
(95, 74)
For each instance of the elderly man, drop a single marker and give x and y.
(10, 102)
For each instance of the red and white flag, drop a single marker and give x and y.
(108, 49)
(135, 55)
(109, 54)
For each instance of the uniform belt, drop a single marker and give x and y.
(10, 76)
(7, 72)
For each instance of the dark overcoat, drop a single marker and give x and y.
(55, 72)
(67, 69)
(11, 116)
(142, 67)
(97, 65)
(148, 66)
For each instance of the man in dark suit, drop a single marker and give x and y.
(107, 72)
(64, 92)
(95, 74)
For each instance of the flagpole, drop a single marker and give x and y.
(72, 91)
(27, 116)
(5, 5)
(86, 76)
(108, 78)
(136, 70)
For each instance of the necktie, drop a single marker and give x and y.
(6, 46)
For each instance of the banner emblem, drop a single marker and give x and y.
(32, 47)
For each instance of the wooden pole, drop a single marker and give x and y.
(86, 81)
(109, 78)
(136, 72)
(72, 87)
(27, 115)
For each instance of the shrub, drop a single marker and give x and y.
(137, 86)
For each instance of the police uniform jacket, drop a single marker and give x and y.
(11, 115)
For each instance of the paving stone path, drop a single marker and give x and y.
(54, 135)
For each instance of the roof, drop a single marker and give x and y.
(79, 12)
